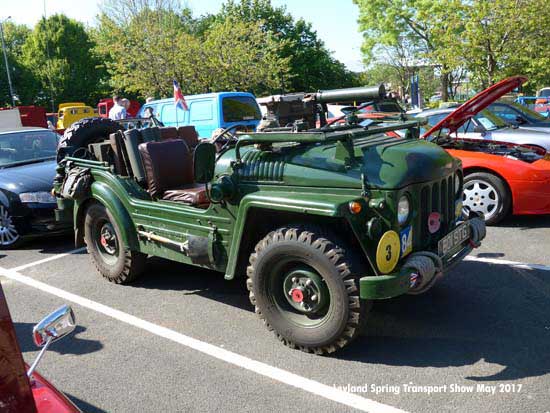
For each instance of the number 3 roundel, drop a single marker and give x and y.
(388, 251)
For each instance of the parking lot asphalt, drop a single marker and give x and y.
(485, 324)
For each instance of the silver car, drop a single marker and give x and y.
(485, 125)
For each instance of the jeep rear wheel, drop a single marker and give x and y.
(103, 240)
(304, 288)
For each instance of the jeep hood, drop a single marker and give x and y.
(476, 104)
(380, 162)
(396, 165)
(357, 161)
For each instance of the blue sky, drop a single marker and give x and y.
(334, 20)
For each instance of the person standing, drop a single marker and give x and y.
(118, 111)
(126, 104)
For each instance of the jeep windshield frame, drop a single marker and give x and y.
(322, 136)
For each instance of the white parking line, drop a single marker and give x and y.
(514, 264)
(280, 375)
(53, 257)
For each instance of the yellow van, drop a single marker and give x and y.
(70, 112)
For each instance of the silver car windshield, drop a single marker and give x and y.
(489, 121)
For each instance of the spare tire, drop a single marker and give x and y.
(84, 132)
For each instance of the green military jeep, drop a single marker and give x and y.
(322, 221)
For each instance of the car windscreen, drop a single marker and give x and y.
(529, 112)
(489, 121)
(545, 93)
(239, 108)
(27, 146)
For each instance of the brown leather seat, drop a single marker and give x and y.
(169, 172)
(191, 195)
(189, 135)
(168, 132)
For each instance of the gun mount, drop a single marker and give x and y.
(304, 110)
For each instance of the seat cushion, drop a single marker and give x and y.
(191, 195)
(167, 164)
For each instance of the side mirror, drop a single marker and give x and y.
(53, 327)
(204, 162)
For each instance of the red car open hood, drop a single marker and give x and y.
(460, 116)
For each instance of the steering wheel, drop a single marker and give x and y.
(224, 132)
(220, 138)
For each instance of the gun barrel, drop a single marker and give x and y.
(352, 94)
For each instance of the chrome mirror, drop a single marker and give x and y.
(52, 328)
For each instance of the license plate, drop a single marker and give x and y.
(453, 239)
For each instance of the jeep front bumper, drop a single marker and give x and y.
(415, 274)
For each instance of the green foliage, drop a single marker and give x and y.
(311, 65)
(14, 38)
(489, 39)
(57, 55)
(423, 23)
(139, 46)
(156, 46)
(502, 38)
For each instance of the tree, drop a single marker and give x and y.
(145, 52)
(58, 55)
(311, 65)
(422, 22)
(238, 55)
(14, 37)
(502, 38)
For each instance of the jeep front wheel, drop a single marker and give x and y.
(103, 240)
(304, 288)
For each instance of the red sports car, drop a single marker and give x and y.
(499, 178)
(22, 390)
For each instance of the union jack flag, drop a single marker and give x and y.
(179, 100)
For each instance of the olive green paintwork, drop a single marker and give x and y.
(311, 173)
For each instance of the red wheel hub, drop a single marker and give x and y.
(103, 241)
(297, 295)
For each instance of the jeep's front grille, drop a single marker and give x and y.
(437, 196)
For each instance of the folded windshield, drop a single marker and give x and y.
(27, 146)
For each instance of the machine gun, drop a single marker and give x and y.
(302, 111)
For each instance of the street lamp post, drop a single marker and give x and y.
(6, 60)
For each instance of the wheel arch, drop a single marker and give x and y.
(474, 169)
(256, 218)
(4, 200)
(103, 195)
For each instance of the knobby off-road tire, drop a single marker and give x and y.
(278, 275)
(84, 132)
(103, 240)
(487, 193)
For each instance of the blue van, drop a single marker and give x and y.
(208, 111)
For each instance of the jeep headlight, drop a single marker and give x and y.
(37, 197)
(403, 209)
